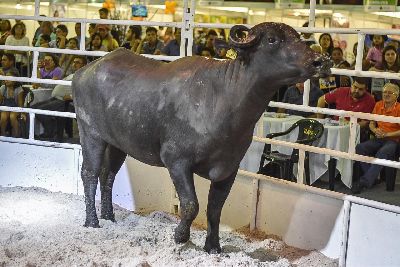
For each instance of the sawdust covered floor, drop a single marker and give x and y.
(42, 228)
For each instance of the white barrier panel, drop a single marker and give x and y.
(373, 237)
(28, 165)
(301, 218)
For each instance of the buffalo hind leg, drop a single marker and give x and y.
(182, 177)
(217, 195)
(93, 153)
(112, 162)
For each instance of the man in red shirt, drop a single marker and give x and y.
(354, 98)
(385, 145)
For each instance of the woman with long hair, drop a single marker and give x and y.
(389, 63)
(18, 38)
(95, 44)
(326, 43)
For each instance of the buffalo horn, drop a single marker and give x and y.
(241, 42)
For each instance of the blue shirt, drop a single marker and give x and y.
(294, 96)
(172, 48)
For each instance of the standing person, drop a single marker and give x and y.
(374, 55)
(151, 44)
(385, 145)
(133, 37)
(11, 95)
(326, 43)
(18, 38)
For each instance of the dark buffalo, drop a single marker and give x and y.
(193, 115)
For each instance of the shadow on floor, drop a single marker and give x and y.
(377, 192)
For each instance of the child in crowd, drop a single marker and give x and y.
(374, 55)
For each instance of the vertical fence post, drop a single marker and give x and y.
(353, 134)
(187, 28)
(32, 126)
(82, 44)
(345, 233)
(254, 204)
(37, 7)
(360, 51)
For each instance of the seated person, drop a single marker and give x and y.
(66, 60)
(294, 95)
(11, 95)
(8, 64)
(49, 69)
(340, 63)
(107, 39)
(172, 48)
(387, 134)
(150, 44)
(354, 98)
(60, 94)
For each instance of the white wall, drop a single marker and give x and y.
(292, 214)
(29, 165)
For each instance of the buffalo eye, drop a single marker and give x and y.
(271, 40)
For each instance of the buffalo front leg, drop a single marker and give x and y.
(113, 160)
(182, 178)
(217, 195)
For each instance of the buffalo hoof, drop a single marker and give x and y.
(108, 216)
(212, 250)
(212, 247)
(182, 235)
(92, 223)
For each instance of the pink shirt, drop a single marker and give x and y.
(375, 55)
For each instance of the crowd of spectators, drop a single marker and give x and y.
(58, 66)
